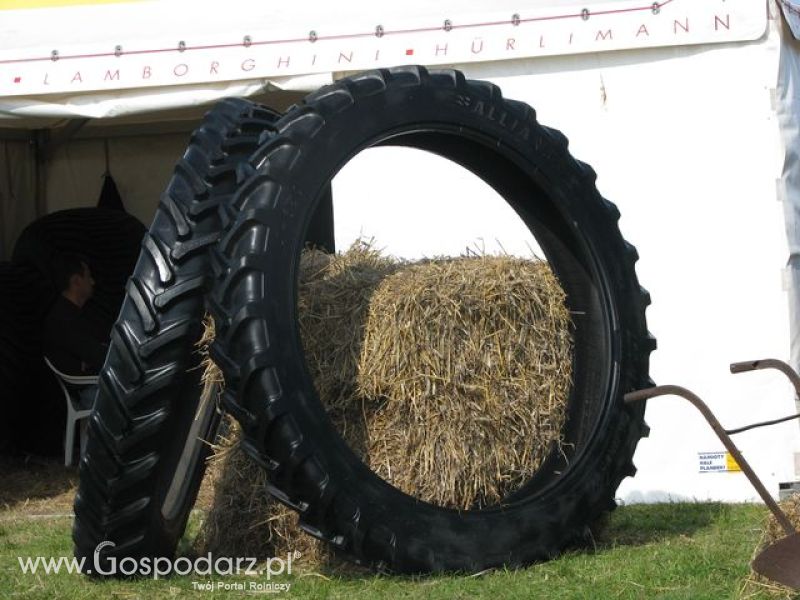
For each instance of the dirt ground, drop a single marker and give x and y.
(36, 487)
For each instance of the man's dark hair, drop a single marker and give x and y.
(65, 265)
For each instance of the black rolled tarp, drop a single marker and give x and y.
(29, 395)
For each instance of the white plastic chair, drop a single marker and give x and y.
(70, 385)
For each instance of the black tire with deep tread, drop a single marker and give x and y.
(150, 384)
(258, 347)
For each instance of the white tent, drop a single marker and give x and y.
(687, 109)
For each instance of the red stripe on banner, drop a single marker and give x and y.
(580, 15)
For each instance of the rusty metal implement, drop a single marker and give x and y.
(780, 561)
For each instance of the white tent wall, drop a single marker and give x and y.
(788, 109)
(17, 191)
(687, 143)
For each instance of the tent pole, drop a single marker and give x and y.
(40, 140)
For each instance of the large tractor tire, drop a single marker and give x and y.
(145, 456)
(269, 389)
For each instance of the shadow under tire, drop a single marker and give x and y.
(269, 389)
(143, 464)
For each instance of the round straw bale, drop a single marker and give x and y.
(332, 304)
(773, 531)
(448, 377)
(244, 521)
(471, 358)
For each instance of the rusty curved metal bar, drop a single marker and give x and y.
(769, 363)
(675, 390)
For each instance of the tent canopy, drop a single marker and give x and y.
(105, 58)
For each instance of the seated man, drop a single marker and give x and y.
(69, 341)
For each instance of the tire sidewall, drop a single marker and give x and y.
(534, 525)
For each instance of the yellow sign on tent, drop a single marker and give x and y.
(717, 462)
(731, 463)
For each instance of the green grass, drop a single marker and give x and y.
(647, 551)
